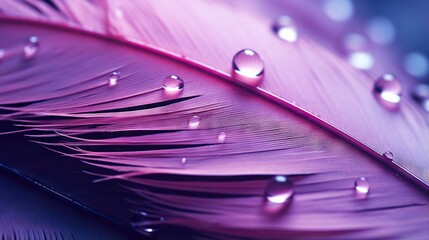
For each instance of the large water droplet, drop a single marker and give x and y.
(248, 67)
(421, 95)
(194, 122)
(362, 185)
(279, 190)
(388, 155)
(221, 137)
(173, 84)
(183, 161)
(113, 79)
(285, 28)
(31, 47)
(388, 90)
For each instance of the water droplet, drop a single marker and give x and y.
(173, 84)
(279, 190)
(285, 28)
(183, 161)
(194, 122)
(338, 10)
(221, 137)
(113, 79)
(388, 90)
(248, 67)
(388, 155)
(31, 47)
(416, 64)
(362, 185)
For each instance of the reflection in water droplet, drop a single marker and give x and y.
(285, 28)
(248, 67)
(362, 185)
(416, 64)
(361, 60)
(338, 10)
(279, 190)
(194, 122)
(31, 47)
(183, 161)
(221, 137)
(381, 30)
(113, 79)
(173, 84)
(388, 155)
(388, 89)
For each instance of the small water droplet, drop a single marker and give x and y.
(183, 161)
(248, 67)
(221, 137)
(194, 122)
(285, 28)
(387, 89)
(31, 47)
(279, 190)
(362, 185)
(173, 84)
(113, 78)
(388, 155)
